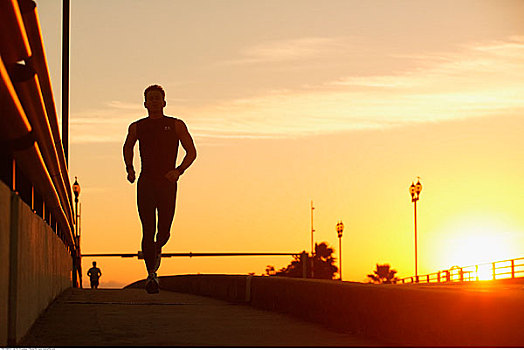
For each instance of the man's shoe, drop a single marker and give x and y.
(152, 284)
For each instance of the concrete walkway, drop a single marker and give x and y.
(131, 317)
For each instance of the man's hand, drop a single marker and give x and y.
(173, 175)
(131, 175)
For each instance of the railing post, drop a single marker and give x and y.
(477, 272)
(512, 268)
(304, 264)
(428, 278)
(461, 275)
(494, 271)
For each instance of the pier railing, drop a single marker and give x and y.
(32, 161)
(497, 270)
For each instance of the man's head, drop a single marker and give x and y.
(94, 263)
(154, 98)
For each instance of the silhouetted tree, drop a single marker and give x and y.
(323, 264)
(383, 275)
(270, 270)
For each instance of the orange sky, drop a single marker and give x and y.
(342, 103)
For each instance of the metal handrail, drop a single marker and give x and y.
(18, 131)
(29, 115)
(38, 62)
(190, 254)
(504, 269)
(14, 44)
(28, 90)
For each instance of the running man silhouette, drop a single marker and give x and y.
(94, 274)
(158, 137)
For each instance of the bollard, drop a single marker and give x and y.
(304, 264)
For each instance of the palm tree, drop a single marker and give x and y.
(270, 270)
(323, 264)
(383, 275)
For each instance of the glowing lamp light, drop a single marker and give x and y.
(340, 228)
(418, 187)
(415, 190)
(76, 189)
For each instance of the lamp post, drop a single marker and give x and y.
(77, 265)
(340, 229)
(415, 190)
(76, 191)
(312, 244)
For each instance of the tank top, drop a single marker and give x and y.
(158, 143)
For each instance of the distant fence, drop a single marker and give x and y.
(497, 270)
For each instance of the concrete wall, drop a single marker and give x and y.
(5, 214)
(398, 314)
(39, 267)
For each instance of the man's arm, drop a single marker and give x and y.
(187, 143)
(129, 144)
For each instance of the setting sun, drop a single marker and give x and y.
(480, 242)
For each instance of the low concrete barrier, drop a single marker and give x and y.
(35, 267)
(226, 287)
(398, 314)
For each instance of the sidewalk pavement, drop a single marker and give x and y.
(131, 318)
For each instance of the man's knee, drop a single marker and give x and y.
(163, 238)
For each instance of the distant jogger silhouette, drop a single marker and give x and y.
(158, 137)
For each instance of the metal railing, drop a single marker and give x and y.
(140, 255)
(32, 156)
(303, 256)
(505, 269)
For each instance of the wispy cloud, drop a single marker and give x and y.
(289, 50)
(478, 80)
(107, 123)
(125, 106)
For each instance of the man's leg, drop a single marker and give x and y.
(147, 213)
(166, 212)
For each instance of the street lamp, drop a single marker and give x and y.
(415, 190)
(76, 191)
(312, 244)
(77, 265)
(340, 229)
